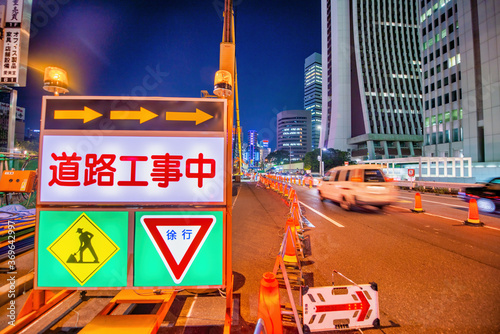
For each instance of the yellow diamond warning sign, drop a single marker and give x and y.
(83, 248)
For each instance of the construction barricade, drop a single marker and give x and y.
(317, 308)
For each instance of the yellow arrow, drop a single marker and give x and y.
(142, 115)
(86, 114)
(198, 116)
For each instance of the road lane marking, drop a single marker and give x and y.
(430, 214)
(455, 205)
(322, 215)
(455, 219)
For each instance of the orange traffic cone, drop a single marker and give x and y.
(473, 219)
(269, 304)
(290, 250)
(418, 204)
(295, 211)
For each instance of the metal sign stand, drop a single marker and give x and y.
(280, 265)
(136, 323)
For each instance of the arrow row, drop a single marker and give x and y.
(142, 115)
(198, 116)
(364, 306)
(86, 114)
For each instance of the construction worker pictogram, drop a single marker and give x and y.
(85, 243)
(85, 239)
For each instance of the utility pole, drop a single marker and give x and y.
(227, 63)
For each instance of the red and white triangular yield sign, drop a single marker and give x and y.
(178, 239)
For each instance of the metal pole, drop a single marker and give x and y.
(290, 158)
(320, 161)
(12, 121)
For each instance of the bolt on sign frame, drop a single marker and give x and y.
(128, 181)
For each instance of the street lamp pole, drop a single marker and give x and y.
(290, 158)
(320, 162)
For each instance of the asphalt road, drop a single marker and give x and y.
(435, 274)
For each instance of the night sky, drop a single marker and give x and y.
(171, 49)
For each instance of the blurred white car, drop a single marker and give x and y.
(357, 185)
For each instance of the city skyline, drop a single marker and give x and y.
(108, 49)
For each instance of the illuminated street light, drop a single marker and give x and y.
(55, 80)
(223, 84)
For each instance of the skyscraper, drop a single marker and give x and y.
(371, 78)
(461, 78)
(253, 150)
(294, 133)
(312, 94)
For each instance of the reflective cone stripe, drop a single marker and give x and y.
(418, 203)
(290, 251)
(269, 304)
(295, 210)
(473, 218)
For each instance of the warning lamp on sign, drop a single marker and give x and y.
(223, 84)
(55, 80)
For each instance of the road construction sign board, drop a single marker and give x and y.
(178, 248)
(132, 169)
(113, 158)
(82, 249)
(133, 113)
(341, 307)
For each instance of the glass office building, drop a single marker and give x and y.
(461, 78)
(313, 95)
(294, 133)
(372, 91)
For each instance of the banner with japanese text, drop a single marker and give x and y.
(130, 169)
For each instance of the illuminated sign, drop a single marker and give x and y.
(119, 169)
(106, 154)
(82, 249)
(15, 36)
(178, 248)
(132, 113)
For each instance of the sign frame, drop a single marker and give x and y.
(130, 247)
(105, 132)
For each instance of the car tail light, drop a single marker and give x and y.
(356, 179)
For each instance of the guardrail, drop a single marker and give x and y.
(450, 186)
